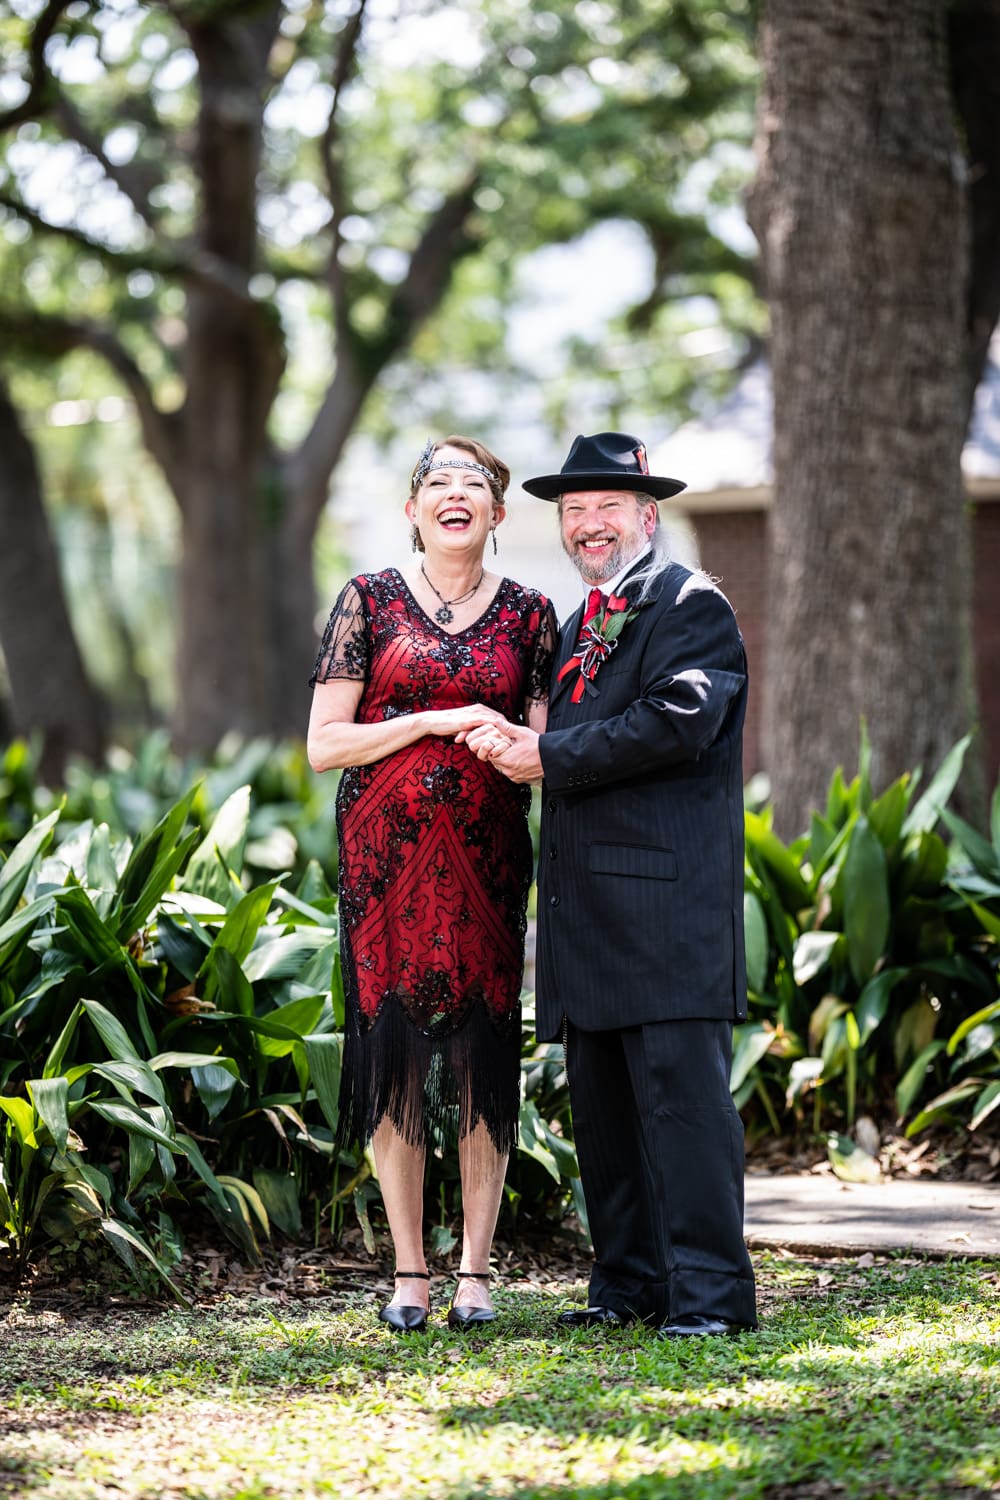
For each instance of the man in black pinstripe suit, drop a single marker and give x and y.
(640, 962)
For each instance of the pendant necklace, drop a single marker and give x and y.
(444, 615)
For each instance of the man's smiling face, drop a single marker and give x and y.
(602, 530)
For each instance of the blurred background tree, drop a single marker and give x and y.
(877, 208)
(45, 666)
(249, 218)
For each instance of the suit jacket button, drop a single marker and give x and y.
(552, 804)
(552, 852)
(553, 900)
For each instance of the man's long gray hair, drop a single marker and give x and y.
(657, 561)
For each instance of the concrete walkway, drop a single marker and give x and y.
(820, 1213)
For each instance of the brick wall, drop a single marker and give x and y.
(733, 548)
(986, 628)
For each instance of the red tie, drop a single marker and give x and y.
(595, 603)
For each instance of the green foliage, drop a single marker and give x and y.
(149, 1006)
(171, 1008)
(557, 120)
(972, 1052)
(289, 826)
(872, 960)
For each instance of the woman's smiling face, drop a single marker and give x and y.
(455, 506)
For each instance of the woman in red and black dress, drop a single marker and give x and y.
(435, 856)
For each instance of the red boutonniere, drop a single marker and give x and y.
(598, 638)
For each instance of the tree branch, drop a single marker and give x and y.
(128, 179)
(53, 336)
(36, 101)
(343, 68)
(444, 240)
(191, 265)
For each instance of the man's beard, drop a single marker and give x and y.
(625, 549)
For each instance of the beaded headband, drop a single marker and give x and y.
(427, 463)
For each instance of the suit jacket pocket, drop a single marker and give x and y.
(640, 860)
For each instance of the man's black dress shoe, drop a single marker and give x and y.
(403, 1319)
(694, 1325)
(591, 1317)
(464, 1318)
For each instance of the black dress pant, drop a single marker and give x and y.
(660, 1146)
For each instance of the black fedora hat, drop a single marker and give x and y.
(606, 461)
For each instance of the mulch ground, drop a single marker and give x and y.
(948, 1156)
(88, 1284)
(211, 1270)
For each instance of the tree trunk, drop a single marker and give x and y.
(227, 522)
(49, 687)
(861, 212)
(234, 360)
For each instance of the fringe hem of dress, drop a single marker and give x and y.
(430, 1082)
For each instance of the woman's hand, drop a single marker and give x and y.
(336, 739)
(458, 722)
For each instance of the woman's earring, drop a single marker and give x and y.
(493, 534)
(414, 539)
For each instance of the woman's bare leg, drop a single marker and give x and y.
(483, 1168)
(401, 1178)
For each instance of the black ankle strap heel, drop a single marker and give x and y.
(399, 1317)
(461, 1319)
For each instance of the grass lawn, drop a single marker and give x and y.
(865, 1380)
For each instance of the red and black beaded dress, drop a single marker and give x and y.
(435, 864)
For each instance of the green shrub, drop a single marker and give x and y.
(291, 808)
(150, 1006)
(868, 955)
(970, 1058)
(171, 1008)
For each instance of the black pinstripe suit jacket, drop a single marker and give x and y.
(640, 880)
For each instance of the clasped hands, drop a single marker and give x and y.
(512, 748)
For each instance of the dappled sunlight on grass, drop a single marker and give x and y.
(875, 1383)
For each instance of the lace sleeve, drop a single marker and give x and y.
(345, 650)
(543, 654)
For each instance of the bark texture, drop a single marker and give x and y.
(49, 688)
(861, 210)
(233, 363)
